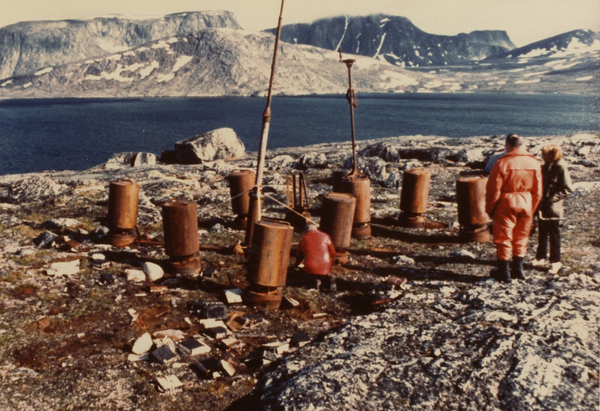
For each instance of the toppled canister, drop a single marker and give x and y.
(414, 197)
(473, 220)
(180, 224)
(359, 186)
(123, 197)
(336, 220)
(240, 184)
(337, 177)
(268, 262)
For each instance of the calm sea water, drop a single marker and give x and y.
(74, 134)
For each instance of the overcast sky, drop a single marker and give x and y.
(525, 21)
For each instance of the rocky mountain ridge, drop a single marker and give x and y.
(33, 45)
(397, 40)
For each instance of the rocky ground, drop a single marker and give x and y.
(453, 339)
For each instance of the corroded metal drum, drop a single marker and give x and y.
(253, 212)
(240, 181)
(415, 196)
(270, 253)
(415, 190)
(337, 218)
(359, 186)
(337, 176)
(180, 224)
(470, 197)
(123, 197)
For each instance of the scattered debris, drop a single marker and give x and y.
(210, 309)
(168, 383)
(193, 347)
(299, 339)
(65, 268)
(135, 275)
(225, 366)
(233, 296)
(163, 355)
(142, 344)
(153, 271)
(402, 260)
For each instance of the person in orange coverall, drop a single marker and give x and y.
(317, 251)
(513, 193)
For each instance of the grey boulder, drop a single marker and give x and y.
(222, 143)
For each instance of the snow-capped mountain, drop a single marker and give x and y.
(233, 62)
(29, 46)
(397, 40)
(576, 42)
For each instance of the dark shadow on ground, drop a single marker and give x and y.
(396, 234)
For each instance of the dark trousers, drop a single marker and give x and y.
(548, 231)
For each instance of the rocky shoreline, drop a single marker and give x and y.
(452, 340)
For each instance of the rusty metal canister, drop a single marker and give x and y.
(270, 256)
(180, 224)
(240, 181)
(337, 218)
(359, 186)
(415, 191)
(123, 197)
(337, 176)
(470, 196)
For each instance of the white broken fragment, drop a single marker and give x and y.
(173, 335)
(278, 347)
(228, 368)
(142, 345)
(134, 315)
(168, 383)
(135, 275)
(63, 268)
(136, 357)
(233, 296)
(153, 271)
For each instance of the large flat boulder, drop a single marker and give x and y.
(222, 143)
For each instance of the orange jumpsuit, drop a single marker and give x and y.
(318, 252)
(513, 193)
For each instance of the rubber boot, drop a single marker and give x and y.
(516, 269)
(501, 273)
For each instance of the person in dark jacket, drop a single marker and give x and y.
(556, 187)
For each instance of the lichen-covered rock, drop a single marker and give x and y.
(526, 346)
(222, 143)
(34, 189)
(312, 160)
(373, 167)
(384, 151)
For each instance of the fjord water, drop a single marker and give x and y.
(74, 134)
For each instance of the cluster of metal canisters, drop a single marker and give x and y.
(180, 224)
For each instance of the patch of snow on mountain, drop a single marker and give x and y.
(537, 80)
(433, 84)
(539, 73)
(574, 47)
(343, 35)
(417, 53)
(43, 71)
(366, 62)
(115, 57)
(564, 66)
(110, 46)
(536, 53)
(129, 53)
(515, 70)
(586, 78)
(142, 49)
(27, 85)
(555, 62)
(181, 61)
(397, 79)
(392, 55)
(145, 72)
(6, 83)
(384, 20)
(173, 40)
(115, 75)
(161, 45)
(165, 77)
(380, 44)
(522, 61)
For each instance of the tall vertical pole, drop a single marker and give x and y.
(264, 137)
(351, 97)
